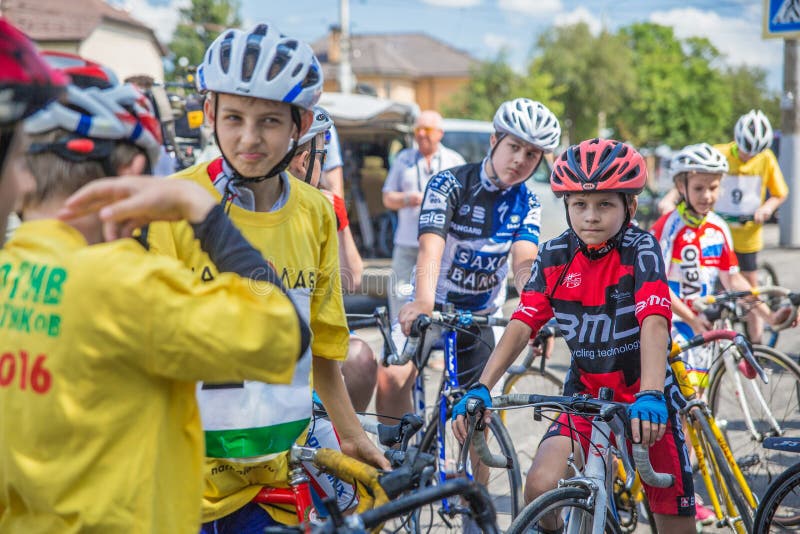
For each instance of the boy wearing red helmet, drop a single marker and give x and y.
(605, 271)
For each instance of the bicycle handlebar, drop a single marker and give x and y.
(741, 343)
(605, 410)
(702, 303)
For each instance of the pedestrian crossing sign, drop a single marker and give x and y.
(782, 19)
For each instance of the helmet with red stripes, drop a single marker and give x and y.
(599, 165)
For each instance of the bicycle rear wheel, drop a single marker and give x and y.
(759, 465)
(779, 510)
(504, 485)
(722, 472)
(568, 506)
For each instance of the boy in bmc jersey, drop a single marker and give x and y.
(261, 87)
(602, 266)
(100, 427)
(698, 249)
(471, 217)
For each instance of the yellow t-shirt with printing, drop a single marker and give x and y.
(299, 239)
(748, 237)
(101, 348)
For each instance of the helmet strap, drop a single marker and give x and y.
(310, 169)
(237, 177)
(595, 252)
(685, 208)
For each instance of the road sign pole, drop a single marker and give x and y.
(789, 212)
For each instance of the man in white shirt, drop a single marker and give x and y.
(403, 192)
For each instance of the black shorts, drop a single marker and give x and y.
(748, 261)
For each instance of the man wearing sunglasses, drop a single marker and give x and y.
(403, 192)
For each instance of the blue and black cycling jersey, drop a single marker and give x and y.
(479, 223)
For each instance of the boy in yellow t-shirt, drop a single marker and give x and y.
(260, 89)
(743, 203)
(101, 350)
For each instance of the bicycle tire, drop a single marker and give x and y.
(720, 465)
(558, 498)
(759, 465)
(787, 483)
(505, 485)
(520, 423)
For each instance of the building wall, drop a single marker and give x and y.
(434, 93)
(125, 50)
(399, 89)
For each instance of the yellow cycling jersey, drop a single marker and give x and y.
(743, 189)
(101, 348)
(299, 240)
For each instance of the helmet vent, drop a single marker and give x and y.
(311, 78)
(282, 56)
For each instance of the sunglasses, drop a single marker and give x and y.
(427, 130)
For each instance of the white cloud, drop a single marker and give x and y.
(531, 7)
(452, 3)
(163, 18)
(495, 42)
(580, 14)
(738, 38)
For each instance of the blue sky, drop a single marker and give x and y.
(483, 27)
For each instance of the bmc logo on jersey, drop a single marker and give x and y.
(598, 327)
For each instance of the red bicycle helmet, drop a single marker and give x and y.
(599, 165)
(27, 83)
(82, 72)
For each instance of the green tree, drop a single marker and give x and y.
(749, 91)
(199, 25)
(593, 75)
(681, 97)
(494, 82)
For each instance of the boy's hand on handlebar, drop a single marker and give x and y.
(648, 417)
(478, 391)
(411, 311)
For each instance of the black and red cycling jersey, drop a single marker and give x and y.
(599, 305)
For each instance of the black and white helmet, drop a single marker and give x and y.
(753, 132)
(262, 63)
(322, 123)
(701, 157)
(530, 121)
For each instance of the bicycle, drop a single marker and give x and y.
(730, 495)
(576, 499)
(779, 509)
(752, 410)
(503, 483)
(478, 502)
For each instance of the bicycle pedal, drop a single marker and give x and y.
(746, 462)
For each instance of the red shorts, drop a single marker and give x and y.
(668, 455)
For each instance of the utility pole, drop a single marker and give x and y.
(345, 70)
(789, 158)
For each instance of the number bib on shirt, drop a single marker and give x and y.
(740, 196)
(253, 421)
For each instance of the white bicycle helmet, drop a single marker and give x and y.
(530, 121)
(262, 63)
(753, 132)
(322, 123)
(118, 113)
(701, 157)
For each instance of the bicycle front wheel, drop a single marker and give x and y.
(562, 507)
(504, 485)
(749, 410)
(779, 510)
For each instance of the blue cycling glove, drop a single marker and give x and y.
(650, 406)
(478, 391)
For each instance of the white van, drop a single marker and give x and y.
(471, 139)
